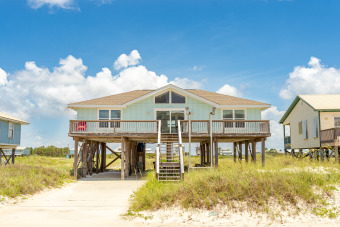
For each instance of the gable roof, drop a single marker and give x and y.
(226, 100)
(127, 98)
(7, 117)
(322, 103)
(113, 100)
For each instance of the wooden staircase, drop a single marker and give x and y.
(169, 172)
(169, 158)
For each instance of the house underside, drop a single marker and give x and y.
(91, 144)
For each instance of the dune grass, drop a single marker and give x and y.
(34, 173)
(284, 180)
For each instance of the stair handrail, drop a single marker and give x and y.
(158, 155)
(180, 146)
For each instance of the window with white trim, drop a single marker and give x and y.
(115, 115)
(337, 122)
(234, 115)
(163, 98)
(169, 97)
(10, 130)
(177, 98)
(106, 115)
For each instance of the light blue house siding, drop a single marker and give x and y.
(145, 110)
(4, 133)
(87, 114)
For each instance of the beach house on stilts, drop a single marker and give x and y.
(168, 116)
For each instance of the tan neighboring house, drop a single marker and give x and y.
(312, 122)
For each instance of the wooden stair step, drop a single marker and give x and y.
(169, 177)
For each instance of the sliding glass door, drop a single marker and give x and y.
(169, 120)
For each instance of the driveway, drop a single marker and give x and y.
(98, 200)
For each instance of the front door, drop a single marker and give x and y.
(169, 120)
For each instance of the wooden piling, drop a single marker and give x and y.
(240, 151)
(253, 149)
(216, 152)
(263, 151)
(246, 150)
(13, 155)
(75, 159)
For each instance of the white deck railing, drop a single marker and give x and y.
(98, 127)
(152, 127)
(227, 127)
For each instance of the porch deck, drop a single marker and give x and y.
(330, 137)
(111, 130)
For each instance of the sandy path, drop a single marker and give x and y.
(97, 200)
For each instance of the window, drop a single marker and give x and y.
(315, 127)
(234, 115)
(177, 98)
(304, 128)
(228, 115)
(300, 127)
(106, 115)
(163, 98)
(10, 130)
(239, 115)
(337, 121)
(115, 115)
(170, 98)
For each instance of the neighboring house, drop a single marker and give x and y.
(312, 122)
(19, 151)
(10, 135)
(152, 116)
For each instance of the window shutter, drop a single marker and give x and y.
(300, 127)
(304, 129)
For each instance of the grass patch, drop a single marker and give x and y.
(284, 180)
(34, 173)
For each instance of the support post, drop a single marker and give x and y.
(201, 152)
(13, 155)
(97, 157)
(246, 150)
(240, 151)
(127, 157)
(123, 145)
(208, 153)
(234, 151)
(336, 151)
(84, 159)
(103, 162)
(75, 160)
(216, 152)
(144, 151)
(253, 149)
(263, 151)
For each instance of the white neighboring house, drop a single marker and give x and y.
(312, 122)
(19, 151)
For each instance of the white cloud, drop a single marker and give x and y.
(314, 79)
(65, 4)
(276, 129)
(197, 68)
(103, 2)
(36, 91)
(124, 60)
(229, 90)
(186, 83)
(3, 77)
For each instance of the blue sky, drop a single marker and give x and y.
(258, 47)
